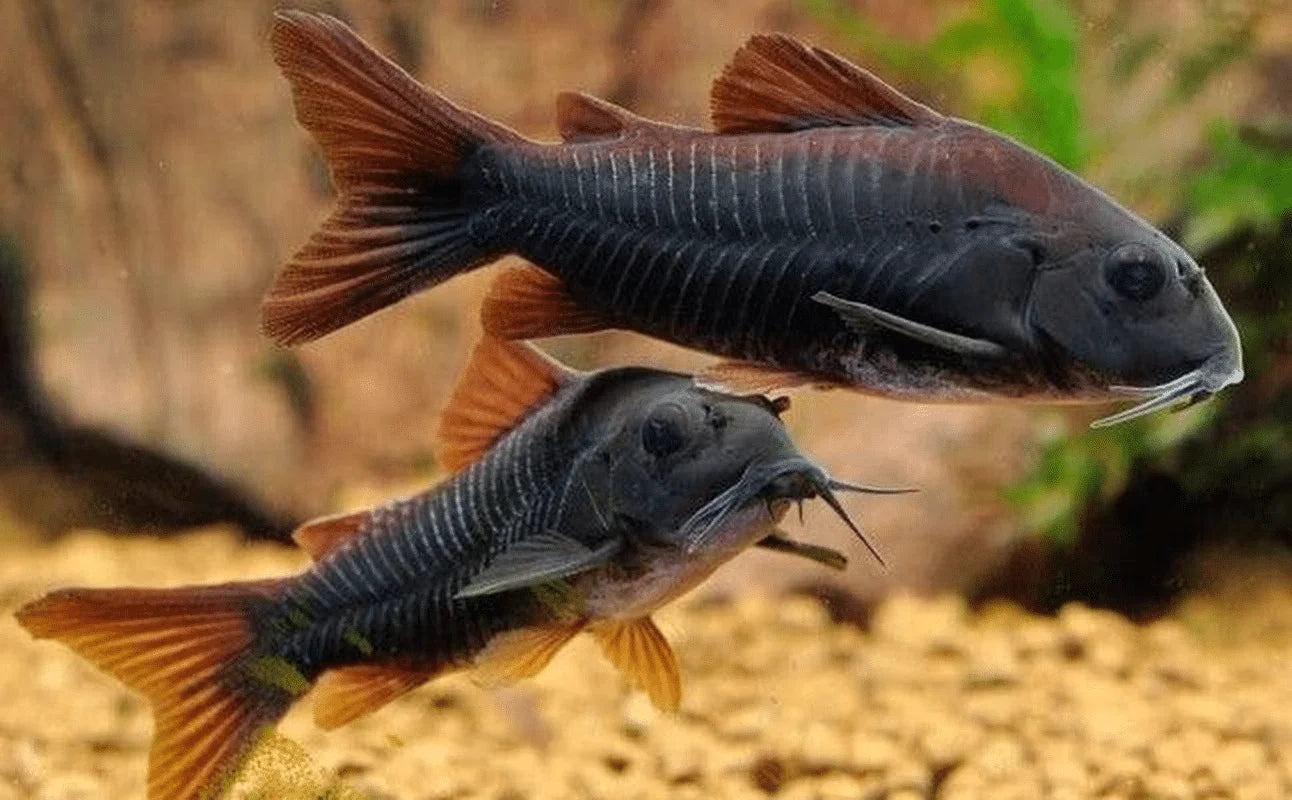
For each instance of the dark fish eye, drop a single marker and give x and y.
(664, 431)
(1135, 272)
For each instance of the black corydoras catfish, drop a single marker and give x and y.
(829, 231)
(582, 502)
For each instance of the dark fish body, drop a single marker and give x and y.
(721, 242)
(829, 231)
(582, 502)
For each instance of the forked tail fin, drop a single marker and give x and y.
(395, 150)
(186, 650)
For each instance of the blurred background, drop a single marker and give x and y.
(154, 179)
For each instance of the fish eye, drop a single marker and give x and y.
(1135, 272)
(664, 431)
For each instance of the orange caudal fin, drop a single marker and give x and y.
(395, 150)
(188, 651)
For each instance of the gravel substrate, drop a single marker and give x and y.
(932, 701)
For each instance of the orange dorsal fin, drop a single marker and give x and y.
(638, 649)
(180, 648)
(321, 536)
(775, 83)
(584, 118)
(345, 694)
(512, 656)
(529, 303)
(747, 377)
(502, 383)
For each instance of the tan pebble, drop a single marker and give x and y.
(872, 753)
(28, 768)
(1000, 757)
(993, 709)
(70, 786)
(734, 786)
(745, 724)
(1185, 752)
(906, 794)
(908, 775)
(1109, 655)
(965, 782)
(1241, 762)
(638, 713)
(801, 613)
(1208, 711)
(824, 744)
(848, 787)
(1268, 787)
(1036, 637)
(1204, 783)
(680, 756)
(1082, 628)
(1122, 723)
(925, 625)
(949, 744)
(993, 662)
(1063, 770)
(1166, 786)
(800, 790)
(1118, 769)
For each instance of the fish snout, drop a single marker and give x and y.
(797, 485)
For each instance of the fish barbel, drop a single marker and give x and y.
(829, 231)
(580, 502)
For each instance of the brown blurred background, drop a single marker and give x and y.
(154, 179)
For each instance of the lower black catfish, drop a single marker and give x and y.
(829, 230)
(581, 502)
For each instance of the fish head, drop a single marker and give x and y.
(1127, 311)
(1096, 302)
(698, 471)
(677, 452)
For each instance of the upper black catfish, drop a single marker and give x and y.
(582, 502)
(829, 231)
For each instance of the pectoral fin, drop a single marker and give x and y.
(747, 377)
(643, 655)
(538, 559)
(860, 316)
(515, 655)
(821, 555)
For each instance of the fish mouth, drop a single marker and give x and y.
(1214, 374)
(776, 485)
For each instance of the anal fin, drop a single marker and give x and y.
(512, 656)
(347, 693)
(528, 303)
(638, 649)
(861, 316)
